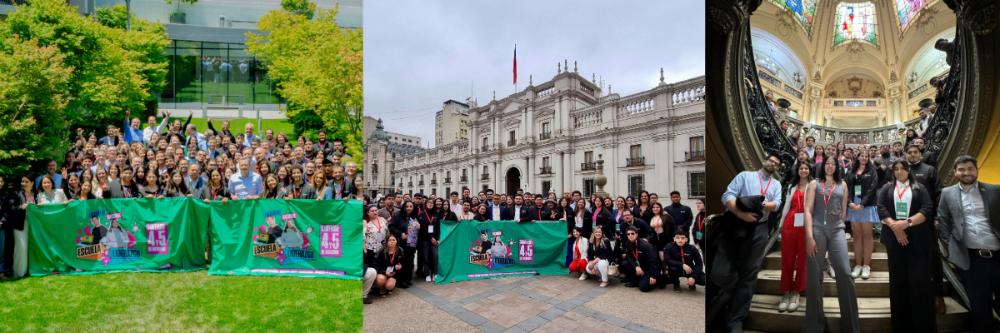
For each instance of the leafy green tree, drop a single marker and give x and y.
(33, 85)
(114, 70)
(318, 68)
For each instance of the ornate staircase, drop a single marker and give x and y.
(873, 300)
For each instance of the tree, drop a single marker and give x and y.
(33, 85)
(318, 68)
(114, 70)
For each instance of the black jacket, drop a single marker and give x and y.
(645, 215)
(529, 213)
(605, 252)
(672, 254)
(384, 260)
(681, 215)
(926, 175)
(603, 221)
(921, 237)
(644, 229)
(869, 186)
(585, 230)
(429, 219)
(648, 257)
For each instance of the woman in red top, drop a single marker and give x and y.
(793, 242)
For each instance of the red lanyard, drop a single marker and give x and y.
(763, 190)
(428, 215)
(826, 197)
(392, 258)
(682, 255)
(215, 192)
(539, 211)
(29, 198)
(635, 250)
(701, 222)
(901, 193)
(297, 192)
(127, 190)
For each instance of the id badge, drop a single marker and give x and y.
(857, 190)
(430, 229)
(800, 220)
(390, 269)
(902, 210)
(697, 235)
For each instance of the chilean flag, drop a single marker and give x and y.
(515, 63)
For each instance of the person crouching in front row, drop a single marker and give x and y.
(639, 261)
(683, 262)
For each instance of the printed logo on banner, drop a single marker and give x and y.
(493, 254)
(287, 244)
(112, 244)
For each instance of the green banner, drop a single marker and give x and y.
(287, 237)
(117, 235)
(471, 250)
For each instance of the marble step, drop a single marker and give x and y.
(769, 283)
(880, 261)
(873, 312)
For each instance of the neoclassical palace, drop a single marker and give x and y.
(556, 135)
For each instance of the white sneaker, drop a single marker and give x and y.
(866, 272)
(794, 304)
(428, 278)
(847, 236)
(832, 274)
(783, 305)
(583, 276)
(856, 271)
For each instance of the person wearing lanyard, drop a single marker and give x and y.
(698, 230)
(744, 264)
(683, 262)
(863, 213)
(793, 240)
(969, 220)
(375, 229)
(825, 208)
(640, 265)
(246, 184)
(904, 206)
(387, 263)
(428, 245)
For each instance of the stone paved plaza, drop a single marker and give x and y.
(535, 303)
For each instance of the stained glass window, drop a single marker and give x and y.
(803, 10)
(855, 21)
(907, 10)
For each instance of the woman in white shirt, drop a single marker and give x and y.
(50, 195)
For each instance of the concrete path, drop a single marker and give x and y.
(538, 304)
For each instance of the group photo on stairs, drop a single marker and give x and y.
(854, 161)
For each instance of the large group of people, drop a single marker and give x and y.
(651, 244)
(888, 191)
(164, 159)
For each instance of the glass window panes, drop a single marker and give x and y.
(907, 10)
(804, 11)
(855, 21)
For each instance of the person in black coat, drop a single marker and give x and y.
(430, 233)
(909, 240)
(639, 262)
(408, 235)
(387, 263)
(600, 217)
(681, 214)
(600, 255)
(552, 212)
(683, 261)
(8, 201)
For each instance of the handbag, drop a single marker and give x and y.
(613, 269)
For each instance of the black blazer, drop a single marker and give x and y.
(384, 260)
(603, 221)
(528, 214)
(427, 219)
(648, 259)
(921, 237)
(644, 215)
(869, 186)
(672, 256)
(606, 252)
(588, 226)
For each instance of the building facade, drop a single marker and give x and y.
(552, 137)
(381, 149)
(451, 124)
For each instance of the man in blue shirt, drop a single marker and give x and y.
(246, 184)
(739, 269)
(50, 169)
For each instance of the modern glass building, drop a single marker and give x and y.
(209, 64)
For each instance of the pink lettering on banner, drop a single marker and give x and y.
(330, 244)
(114, 216)
(527, 250)
(289, 216)
(156, 238)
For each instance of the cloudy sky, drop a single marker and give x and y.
(419, 54)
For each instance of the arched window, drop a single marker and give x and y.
(855, 21)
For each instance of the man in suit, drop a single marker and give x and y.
(969, 228)
(515, 212)
(926, 175)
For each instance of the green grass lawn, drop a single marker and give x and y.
(236, 125)
(179, 302)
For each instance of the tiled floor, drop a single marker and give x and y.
(537, 303)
